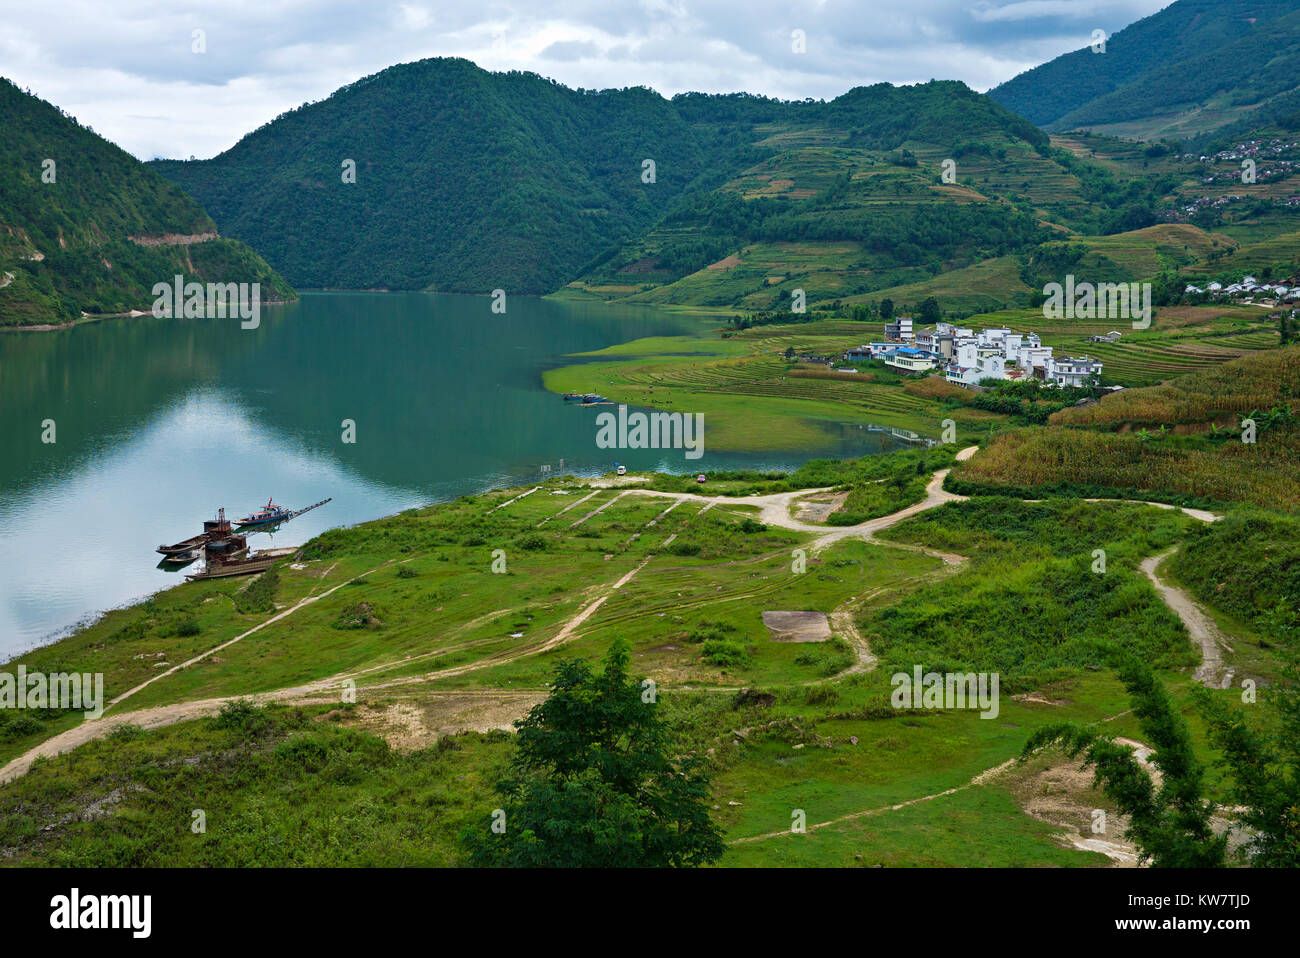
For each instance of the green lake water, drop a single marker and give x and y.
(158, 422)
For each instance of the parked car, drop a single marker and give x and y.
(622, 470)
(700, 477)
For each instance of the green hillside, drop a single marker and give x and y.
(1193, 67)
(104, 231)
(851, 205)
(469, 181)
(465, 180)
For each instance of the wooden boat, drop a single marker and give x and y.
(212, 529)
(183, 547)
(181, 558)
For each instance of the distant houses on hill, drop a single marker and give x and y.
(1250, 290)
(967, 358)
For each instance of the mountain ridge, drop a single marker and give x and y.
(1184, 71)
(87, 228)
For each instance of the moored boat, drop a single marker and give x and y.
(271, 513)
(180, 548)
(212, 529)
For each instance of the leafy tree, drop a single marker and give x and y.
(593, 783)
(886, 308)
(930, 312)
(1264, 762)
(1169, 822)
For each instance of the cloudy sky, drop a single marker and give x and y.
(129, 68)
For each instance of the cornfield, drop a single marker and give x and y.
(1215, 395)
(1036, 462)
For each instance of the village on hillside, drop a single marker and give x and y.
(967, 358)
(1250, 291)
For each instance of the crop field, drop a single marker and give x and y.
(762, 276)
(1218, 396)
(1266, 253)
(1064, 461)
(1182, 339)
(985, 286)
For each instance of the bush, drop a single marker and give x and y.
(821, 695)
(259, 596)
(243, 716)
(125, 732)
(531, 542)
(726, 653)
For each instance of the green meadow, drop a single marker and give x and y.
(442, 650)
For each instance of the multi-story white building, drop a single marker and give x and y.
(973, 363)
(1072, 370)
(968, 359)
(900, 328)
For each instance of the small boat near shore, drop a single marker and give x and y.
(212, 529)
(266, 515)
(182, 558)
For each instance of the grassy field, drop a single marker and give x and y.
(410, 609)
(755, 398)
(748, 391)
(448, 622)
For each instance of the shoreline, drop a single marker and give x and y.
(85, 319)
(89, 619)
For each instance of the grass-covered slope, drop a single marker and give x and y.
(95, 229)
(437, 642)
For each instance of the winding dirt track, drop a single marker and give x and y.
(774, 509)
(1200, 626)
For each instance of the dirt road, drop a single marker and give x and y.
(1200, 626)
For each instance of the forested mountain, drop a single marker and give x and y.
(465, 180)
(469, 181)
(84, 226)
(1193, 67)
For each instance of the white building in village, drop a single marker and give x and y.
(968, 358)
(1072, 370)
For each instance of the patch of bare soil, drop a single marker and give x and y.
(614, 482)
(729, 262)
(797, 626)
(818, 508)
(1060, 792)
(419, 721)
